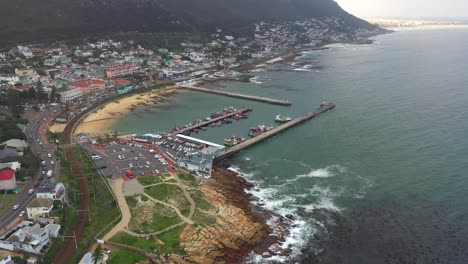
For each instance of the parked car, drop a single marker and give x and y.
(49, 155)
(106, 250)
(31, 191)
(22, 213)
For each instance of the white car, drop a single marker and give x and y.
(49, 155)
(106, 250)
(22, 213)
(52, 162)
(15, 207)
(119, 157)
(31, 191)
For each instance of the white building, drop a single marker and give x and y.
(201, 162)
(29, 237)
(70, 95)
(39, 207)
(51, 191)
(18, 144)
(25, 51)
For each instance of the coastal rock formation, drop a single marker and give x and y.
(237, 230)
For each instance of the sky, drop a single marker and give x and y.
(406, 8)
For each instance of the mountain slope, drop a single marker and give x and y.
(34, 21)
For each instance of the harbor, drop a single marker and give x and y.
(191, 127)
(324, 107)
(237, 95)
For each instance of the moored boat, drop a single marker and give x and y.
(232, 141)
(282, 119)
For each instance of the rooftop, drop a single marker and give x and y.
(40, 202)
(6, 174)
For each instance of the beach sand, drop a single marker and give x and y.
(101, 120)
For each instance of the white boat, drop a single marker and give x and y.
(282, 119)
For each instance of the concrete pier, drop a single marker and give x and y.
(238, 95)
(250, 142)
(188, 129)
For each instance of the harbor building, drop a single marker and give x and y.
(200, 162)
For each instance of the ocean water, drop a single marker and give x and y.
(382, 178)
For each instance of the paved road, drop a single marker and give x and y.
(35, 133)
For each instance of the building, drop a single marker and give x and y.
(70, 95)
(89, 86)
(51, 191)
(201, 162)
(29, 237)
(25, 51)
(18, 144)
(39, 207)
(121, 70)
(7, 179)
(24, 73)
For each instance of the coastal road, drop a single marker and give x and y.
(35, 134)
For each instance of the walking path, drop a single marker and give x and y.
(126, 215)
(187, 195)
(184, 218)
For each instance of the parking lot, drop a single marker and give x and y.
(130, 160)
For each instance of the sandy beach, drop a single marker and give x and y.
(99, 121)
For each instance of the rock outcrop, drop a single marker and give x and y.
(237, 230)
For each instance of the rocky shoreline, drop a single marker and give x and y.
(240, 228)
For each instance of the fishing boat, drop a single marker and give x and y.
(282, 119)
(227, 120)
(203, 128)
(230, 142)
(253, 132)
(196, 130)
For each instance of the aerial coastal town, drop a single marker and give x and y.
(74, 197)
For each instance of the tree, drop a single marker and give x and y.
(115, 135)
(53, 96)
(107, 135)
(14, 102)
(97, 255)
(32, 93)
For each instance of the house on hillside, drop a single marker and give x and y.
(7, 179)
(52, 191)
(18, 144)
(39, 207)
(29, 237)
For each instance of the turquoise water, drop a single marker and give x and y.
(380, 179)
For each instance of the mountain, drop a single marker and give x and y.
(35, 21)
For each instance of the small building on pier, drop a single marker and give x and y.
(200, 162)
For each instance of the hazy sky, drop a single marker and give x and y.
(406, 8)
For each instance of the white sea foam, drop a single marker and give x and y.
(274, 198)
(323, 203)
(256, 80)
(326, 172)
(301, 69)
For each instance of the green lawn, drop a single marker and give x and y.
(123, 256)
(148, 245)
(149, 180)
(188, 179)
(171, 241)
(9, 201)
(169, 193)
(161, 217)
(103, 207)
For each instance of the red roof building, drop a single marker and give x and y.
(7, 179)
(89, 86)
(121, 81)
(121, 70)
